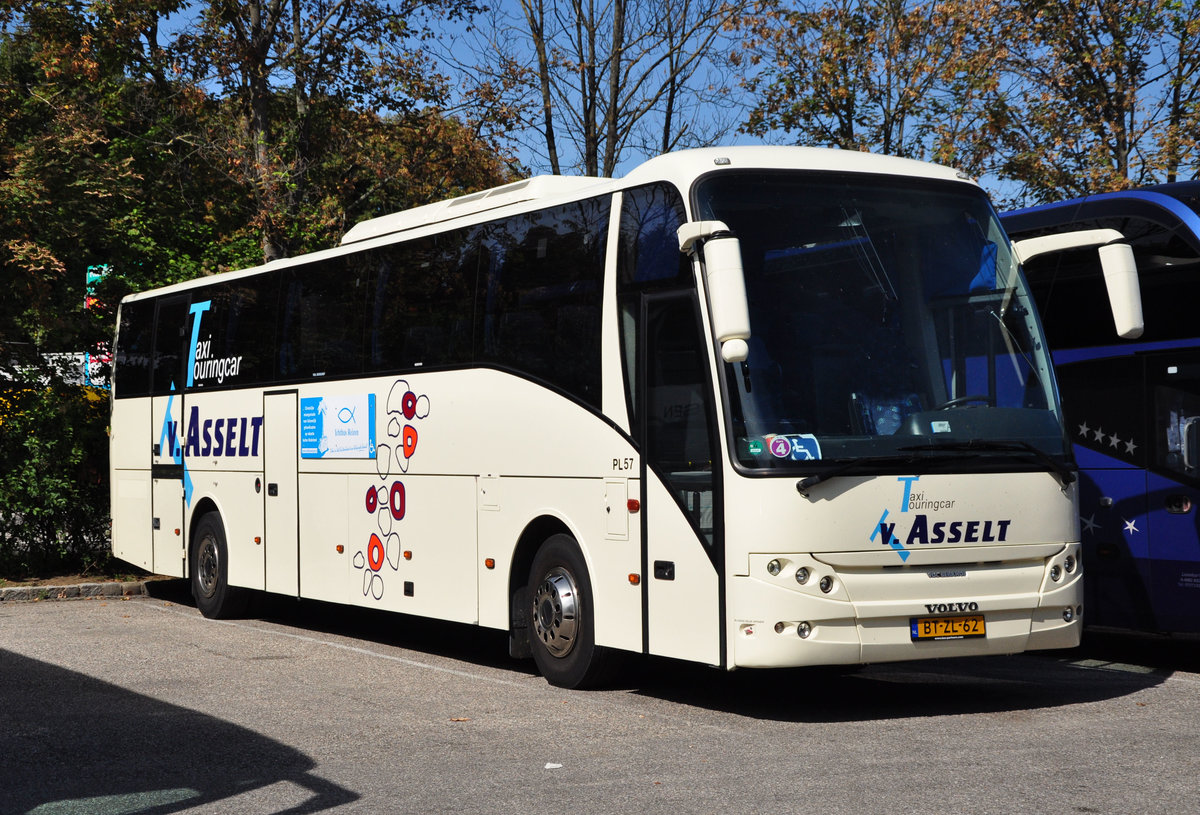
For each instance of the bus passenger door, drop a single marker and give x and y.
(168, 476)
(281, 539)
(1173, 489)
(683, 535)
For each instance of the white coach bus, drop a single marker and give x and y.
(745, 407)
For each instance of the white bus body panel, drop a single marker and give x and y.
(281, 443)
(129, 465)
(998, 566)
(482, 456)
(167, 492)
(685, 611)
(536, 455)
(225, 472)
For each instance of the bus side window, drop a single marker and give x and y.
(541, 298)
(423, 295)
(1177, 418)
(248, 328)
(1101, 416)
(648, 258)
(239, 327)
(171, 336)
(321, 328)
(135, 345)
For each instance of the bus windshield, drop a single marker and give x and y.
(888, 319)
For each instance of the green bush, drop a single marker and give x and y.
(54, 480)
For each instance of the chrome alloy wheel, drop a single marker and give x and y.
(208, 565)
(555, 612)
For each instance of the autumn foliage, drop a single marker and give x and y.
(247, 131)
(159, 140)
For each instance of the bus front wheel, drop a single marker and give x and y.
(215, 598)
(562, 631)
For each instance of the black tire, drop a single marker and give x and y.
(562, 632)
(209, 562)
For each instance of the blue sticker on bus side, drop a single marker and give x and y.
(337, 426)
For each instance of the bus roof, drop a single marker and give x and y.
(1172, 206)
(542, 186)
(681, 168)
(686, 165)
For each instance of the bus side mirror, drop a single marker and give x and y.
(1124, 295)
(1116, 260)
(726, 284)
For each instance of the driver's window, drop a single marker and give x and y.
(1177, 419)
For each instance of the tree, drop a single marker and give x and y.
(902, 78)
(608, 77)
(1102, 95)
(1180, 57)
(109, 157)
(91, 169)
(262, 54)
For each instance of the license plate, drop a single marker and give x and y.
(947, 628)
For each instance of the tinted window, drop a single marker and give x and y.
(323, 306)
(649, 255)
(424, 302)
(523, 293)
(170, 341)
(1101, 415)
(135, 346)
(648, 258)
(236, 334)
(541, 302)
(1071, 295)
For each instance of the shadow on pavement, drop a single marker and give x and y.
(70, 743)
(1104, 667)
(469, 643)
(963, 686)
(1162, 653)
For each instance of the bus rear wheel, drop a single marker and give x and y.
(215, 598)
(562, 632)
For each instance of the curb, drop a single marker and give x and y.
(33, 594)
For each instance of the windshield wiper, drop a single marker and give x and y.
(850, 465)
(1066, 475)
(962, 449)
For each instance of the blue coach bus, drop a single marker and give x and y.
(1132, 407)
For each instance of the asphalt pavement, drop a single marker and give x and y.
(140, 705)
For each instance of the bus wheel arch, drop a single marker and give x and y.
(532, 537)
(561, 616)
(208, 566)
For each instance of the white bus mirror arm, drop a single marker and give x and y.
(728, 305)
(1026, 250)
(1117, 261)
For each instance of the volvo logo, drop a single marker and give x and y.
(951, 608)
